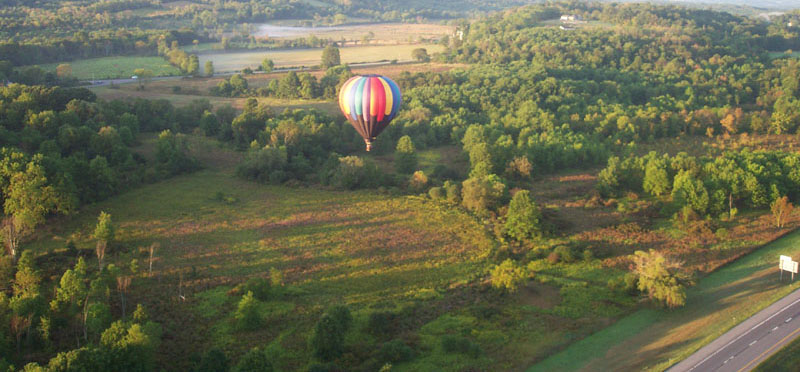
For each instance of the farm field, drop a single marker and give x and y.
(383, 32)
(116, 67)
(236, 61)
(653, 339)
(195, 88)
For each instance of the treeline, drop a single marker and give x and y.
(82, 146)
(291, 85)
(707, 186)
(81, 44)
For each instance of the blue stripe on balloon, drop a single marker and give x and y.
(397, 99)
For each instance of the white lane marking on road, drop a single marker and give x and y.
(774, 329)
(788, 320)
(743, 334)
(752, 343)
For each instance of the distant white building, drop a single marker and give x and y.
(571, 18)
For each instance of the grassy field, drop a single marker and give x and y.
(116, 67)
(236, 61)
(653, 339)
(363, 249)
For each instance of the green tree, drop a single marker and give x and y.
(255, 360)
(143, 76)
(247, 315)
(688, 190)
(330, 56)
(781, 209)
(214, 360)
(507, 276)
(656, 179)
(327, 341)
(661, 277)
(522, 220)
(420, 55)
(405, 156)
(209, 68)
(104, 233)
(267, 65)
(28, 199)
(480, 194)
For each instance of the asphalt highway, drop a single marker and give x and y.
(749, 343)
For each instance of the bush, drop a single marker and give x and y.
(351, 172)
(256, 360)
(327, 341)
(418, 181)
(553, 257)
(405, 156)
(564, 253)
(436, 193)
(214, 360)
(395, 351)
(247, 316)
(462, 345)
(259, 287)
(483, 193)
(507, 276)
(522, 220)
(381, 324)
(266, 165)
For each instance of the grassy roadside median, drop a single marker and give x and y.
(654, 339)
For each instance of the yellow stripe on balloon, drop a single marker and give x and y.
(344, 96)
(389, 99)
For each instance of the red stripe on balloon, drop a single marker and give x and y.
(380, 98)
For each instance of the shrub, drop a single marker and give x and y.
(418, 181)
(564, 253)
(507, 276)
(436, 193)
(247, 316)
(327, 341)
(395, 351)
(214, 360)
(522, 220)
(483, 193)
(381, 323)
(405, 158)
(259, 287)
(255, 360)
(553, 257)
(461, 345)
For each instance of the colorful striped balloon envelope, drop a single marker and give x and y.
(369, 103)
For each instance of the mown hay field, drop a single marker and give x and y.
(236, 61)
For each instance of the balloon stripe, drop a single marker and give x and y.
(398, 98)
(351, 100)
(378, 100)
(344, 96)
(387, 92)
(357, 101)
(365, 95)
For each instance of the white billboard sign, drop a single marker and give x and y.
(786, 264)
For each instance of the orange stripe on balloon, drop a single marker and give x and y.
(380, 98)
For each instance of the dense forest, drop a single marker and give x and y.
(530, 100)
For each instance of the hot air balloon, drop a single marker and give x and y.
(369, 103)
